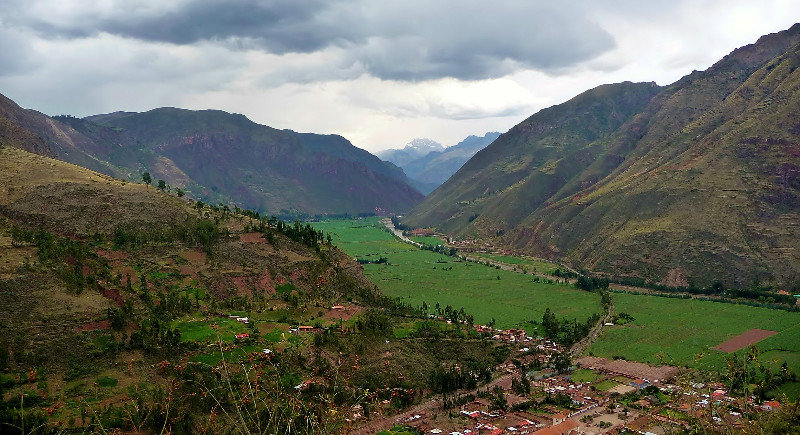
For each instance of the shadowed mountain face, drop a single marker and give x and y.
(700, 178)
(220, 157)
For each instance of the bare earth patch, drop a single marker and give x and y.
(194, 256)
(743, 340)
(94, 326)
(253, 238)
(629, 368)
(345, 313)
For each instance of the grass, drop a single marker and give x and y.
(669, 330)
(606, 385)
(195, 330)
(791, 390)
(584, 375)
(525, 263)
(107, 381)
(683, 331)
(397, 430)
(415, 275)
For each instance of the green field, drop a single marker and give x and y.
(196, 330)
(526, 263)
(584, 375)
(417, 275)
(675, 331)
(685, 330)
(606, 385)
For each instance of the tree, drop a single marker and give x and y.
(179, 192)
(162, 184)
(146, 178)
(561, 362)
(550, 324)
(497, 400)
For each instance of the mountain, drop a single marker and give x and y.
(220, 157)
(98, 273)
(431, 170)
(413, 150)
(700, 178)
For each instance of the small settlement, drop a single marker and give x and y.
(592, 396)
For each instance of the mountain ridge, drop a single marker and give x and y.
(220, 157)
(701, 179)
(431, 170)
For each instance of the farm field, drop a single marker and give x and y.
(674, 331)
(683, 331)
(528, 264)
(416, 275)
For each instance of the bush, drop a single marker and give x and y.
(107, 382)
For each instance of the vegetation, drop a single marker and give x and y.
(683, 331)
(569, 180)
(233, 149)
(184, 325)
(419, 276)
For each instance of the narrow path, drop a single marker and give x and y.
(581, 346)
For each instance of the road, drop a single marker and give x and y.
(475, 259)
(399, 233)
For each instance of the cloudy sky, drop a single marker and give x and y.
(379, 73)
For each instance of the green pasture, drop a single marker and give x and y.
(670, 330)
(525, 263)
(416, 275)
(198, 330)
(606, 385)
(683, 331)
(584, 375)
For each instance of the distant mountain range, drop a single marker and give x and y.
(691, 182)
(413, 150)
(219, 157)
(428, 164)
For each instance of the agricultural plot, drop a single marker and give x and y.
(529, 264)
(672, 331)
(199, 330)
(416, 275)
(683, 332)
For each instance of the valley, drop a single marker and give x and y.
(602, 259)
(663, 330)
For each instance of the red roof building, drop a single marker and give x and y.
(567, 427)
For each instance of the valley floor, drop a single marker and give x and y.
(663, 330)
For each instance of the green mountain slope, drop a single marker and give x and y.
(129, 309)
(699, 177)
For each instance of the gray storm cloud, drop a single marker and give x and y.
(407, 41)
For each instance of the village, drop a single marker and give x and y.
(591, 396)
